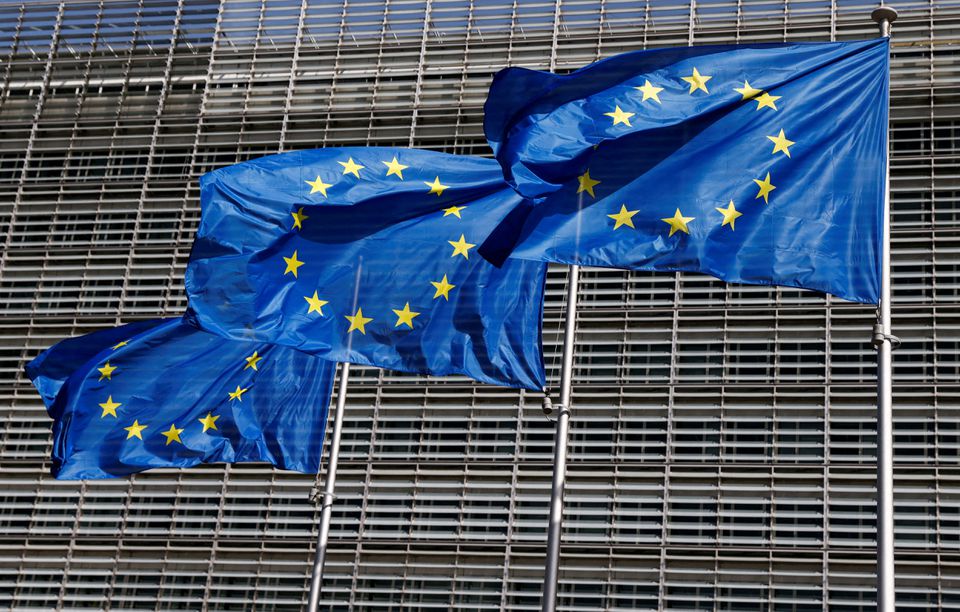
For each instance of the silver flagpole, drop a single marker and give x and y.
(326, 511)
(552, 569)
(326, 507)
(885, 343)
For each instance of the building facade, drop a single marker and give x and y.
(723, 436)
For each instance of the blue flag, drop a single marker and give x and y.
(368, 256)
(759, 164)
(162, 393)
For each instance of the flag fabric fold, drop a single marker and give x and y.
(760, 164)
(367, 255)
(49, 370)
(162, 393)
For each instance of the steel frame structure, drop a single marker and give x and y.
(722, 448)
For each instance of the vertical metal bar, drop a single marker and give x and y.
(205, 603)
(28, 153)
(379, 73)
(336, 72)
(421, 67)
(81, 98)
(464, 77)
(112, 151)
(356, 595)
(292, 81)
(508, 550)
(326, 512)
(670, 428)
(886, 594)
(556, 34)
(148, 169)
(243, 147)
(71, 145)
(191, 168)
(552, 569)
(326, 504)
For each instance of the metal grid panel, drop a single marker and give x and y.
(723, 436)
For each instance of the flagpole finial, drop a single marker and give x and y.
(884, 16)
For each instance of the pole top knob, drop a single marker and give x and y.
(884, 13)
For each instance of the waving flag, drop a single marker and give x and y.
(760, 164)
(164, 394)
(368, 256)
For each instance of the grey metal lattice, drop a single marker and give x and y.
(723, 436)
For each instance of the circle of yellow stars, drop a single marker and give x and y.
(696, 84)
(393, 167)
(109, 407)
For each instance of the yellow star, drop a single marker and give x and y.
(298, 218)
(730, 215)
(318, 185)
(460, 247)
(209, 422)
(765, 188)
(135, 430)
(436, 187)
(443, 288)
(357, 321)
(106, 371)
(110, 407)
(587, 184)
(172, 435)
(316, 304)
(395, 168)
(119, 344)
(236, 393)
(697, 81)
(453, 210)
(650, 92)
(620, 116)
(746, 91)
(678, 223)
(405, 316)
(351, 168)
(292, 264)
(780, 143)
(252, 361)
(624, 217)
(767, 100)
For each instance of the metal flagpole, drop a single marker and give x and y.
(552, 569)
(331, 481)
(551, 572)
(885, 343)
(326, 506)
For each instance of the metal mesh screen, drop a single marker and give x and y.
(723, 436)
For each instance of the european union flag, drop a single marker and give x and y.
(759, 164)
(368, 256)
(162, 393)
